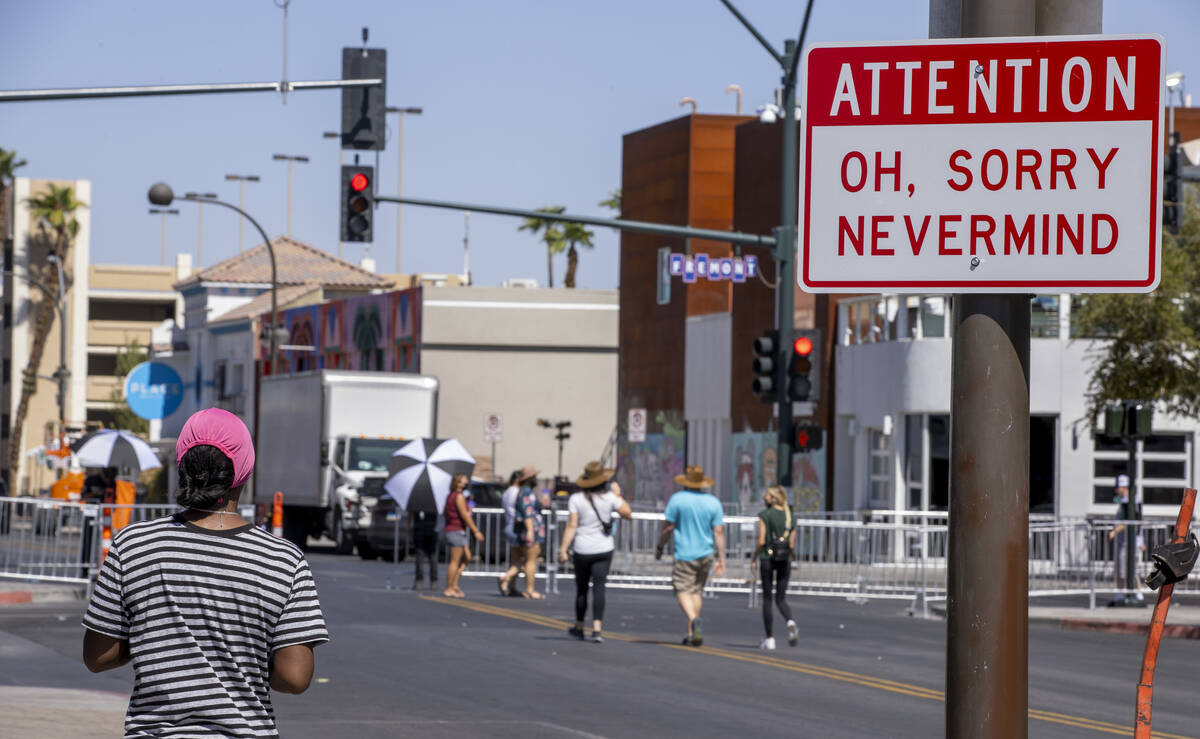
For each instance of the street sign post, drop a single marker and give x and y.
(493, 431)
(993, 165)
(637, 425)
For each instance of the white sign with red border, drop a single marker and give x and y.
(493, 427)
(982, 165)
(637, 425)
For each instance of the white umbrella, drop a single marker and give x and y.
(422, 470)
(112, 448)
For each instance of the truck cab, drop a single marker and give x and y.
(357, 469)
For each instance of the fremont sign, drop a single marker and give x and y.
(983, 165)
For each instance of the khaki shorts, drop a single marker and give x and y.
(690, 576)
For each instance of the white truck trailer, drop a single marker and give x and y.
(324, 440)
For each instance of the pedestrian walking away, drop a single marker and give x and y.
(422, 532)
(458, 521)
(590, 529)
(695, 525)
(213, 612)
(516, 543)
(773, 556)
(531, 528)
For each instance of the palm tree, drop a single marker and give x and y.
(552, 236)
(613, 201)
(54, 212)
(575, 234)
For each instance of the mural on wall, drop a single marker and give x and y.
(646, 470)
(369, 332)
(755, 467)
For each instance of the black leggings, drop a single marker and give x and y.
(779, 572)
(592, 567)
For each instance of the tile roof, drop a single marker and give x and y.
(262, 303)
(297, 263)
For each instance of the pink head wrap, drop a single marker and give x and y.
(225, 431)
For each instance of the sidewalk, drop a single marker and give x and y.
(1183, 622)
(21, 592)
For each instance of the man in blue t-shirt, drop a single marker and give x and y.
(695, 520)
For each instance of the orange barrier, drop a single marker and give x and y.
(106, 526)
(126, 496)
(277, 515)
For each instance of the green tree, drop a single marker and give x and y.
(1148, 346)
(552, 236)
(54, 212)
(613, 201)
(128, 357)
(574, 234)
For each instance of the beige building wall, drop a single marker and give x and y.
(29, 256)
(524, 354)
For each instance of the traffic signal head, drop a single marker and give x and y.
(807, 437)
(766, 365)
(358, 203)
(804, 365)
(363, 108)
(1172, 208)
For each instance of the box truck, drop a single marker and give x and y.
(325, 439)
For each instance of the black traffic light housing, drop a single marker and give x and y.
(1172, 207)
(804, 366)
(358, 203)
(766, 366)
(1132, 419)
(364, 108)
(807, 437)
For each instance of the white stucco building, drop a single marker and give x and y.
(892, 430)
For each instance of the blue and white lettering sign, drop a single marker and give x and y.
(702, 267)
(153, 390)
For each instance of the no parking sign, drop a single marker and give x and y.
(637, 424)
(493, 427)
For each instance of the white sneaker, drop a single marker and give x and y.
(768, 644)
(793, 633)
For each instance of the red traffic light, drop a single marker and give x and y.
(359, 182)
(803, 346)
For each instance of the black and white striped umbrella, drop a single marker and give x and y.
(421, 472)
(112, 448)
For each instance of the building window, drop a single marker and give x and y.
(664, 275)
(102, 309)
(6, 371)
(879, 478)
(102, 365)
(7, 314)
(4, 426)
(219, 380)
(914, 461)
(1164, 468)
(1043, 317)
(237, 381)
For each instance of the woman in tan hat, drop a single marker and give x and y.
(590, 529)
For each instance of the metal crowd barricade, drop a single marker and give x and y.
(52, 540)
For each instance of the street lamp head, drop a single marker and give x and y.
(1173, 80)
(161, 194)
(279, 157)
(331, 135)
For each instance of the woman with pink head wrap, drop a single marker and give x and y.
(213, 612)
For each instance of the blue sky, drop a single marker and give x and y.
(525, 104)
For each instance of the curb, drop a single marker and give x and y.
(42, 595)
(1174, 631)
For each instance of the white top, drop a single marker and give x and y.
(589, 536)
(508, 501)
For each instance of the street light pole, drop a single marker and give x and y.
(400, 113)
(161, 194)
(164, 212)
(200, 198)
(242, 179)
(291, 159)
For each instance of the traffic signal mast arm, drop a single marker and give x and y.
(660, 229)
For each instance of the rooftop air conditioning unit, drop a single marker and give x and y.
(520, 282)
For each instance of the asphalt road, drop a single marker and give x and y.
(403, 664)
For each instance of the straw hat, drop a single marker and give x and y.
(594, 475)
(694, 477)
(528, 472)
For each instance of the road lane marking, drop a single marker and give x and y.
(829, 673)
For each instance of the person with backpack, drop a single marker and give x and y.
(773, 555)
(590, 528)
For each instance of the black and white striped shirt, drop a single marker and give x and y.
(203, 611)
